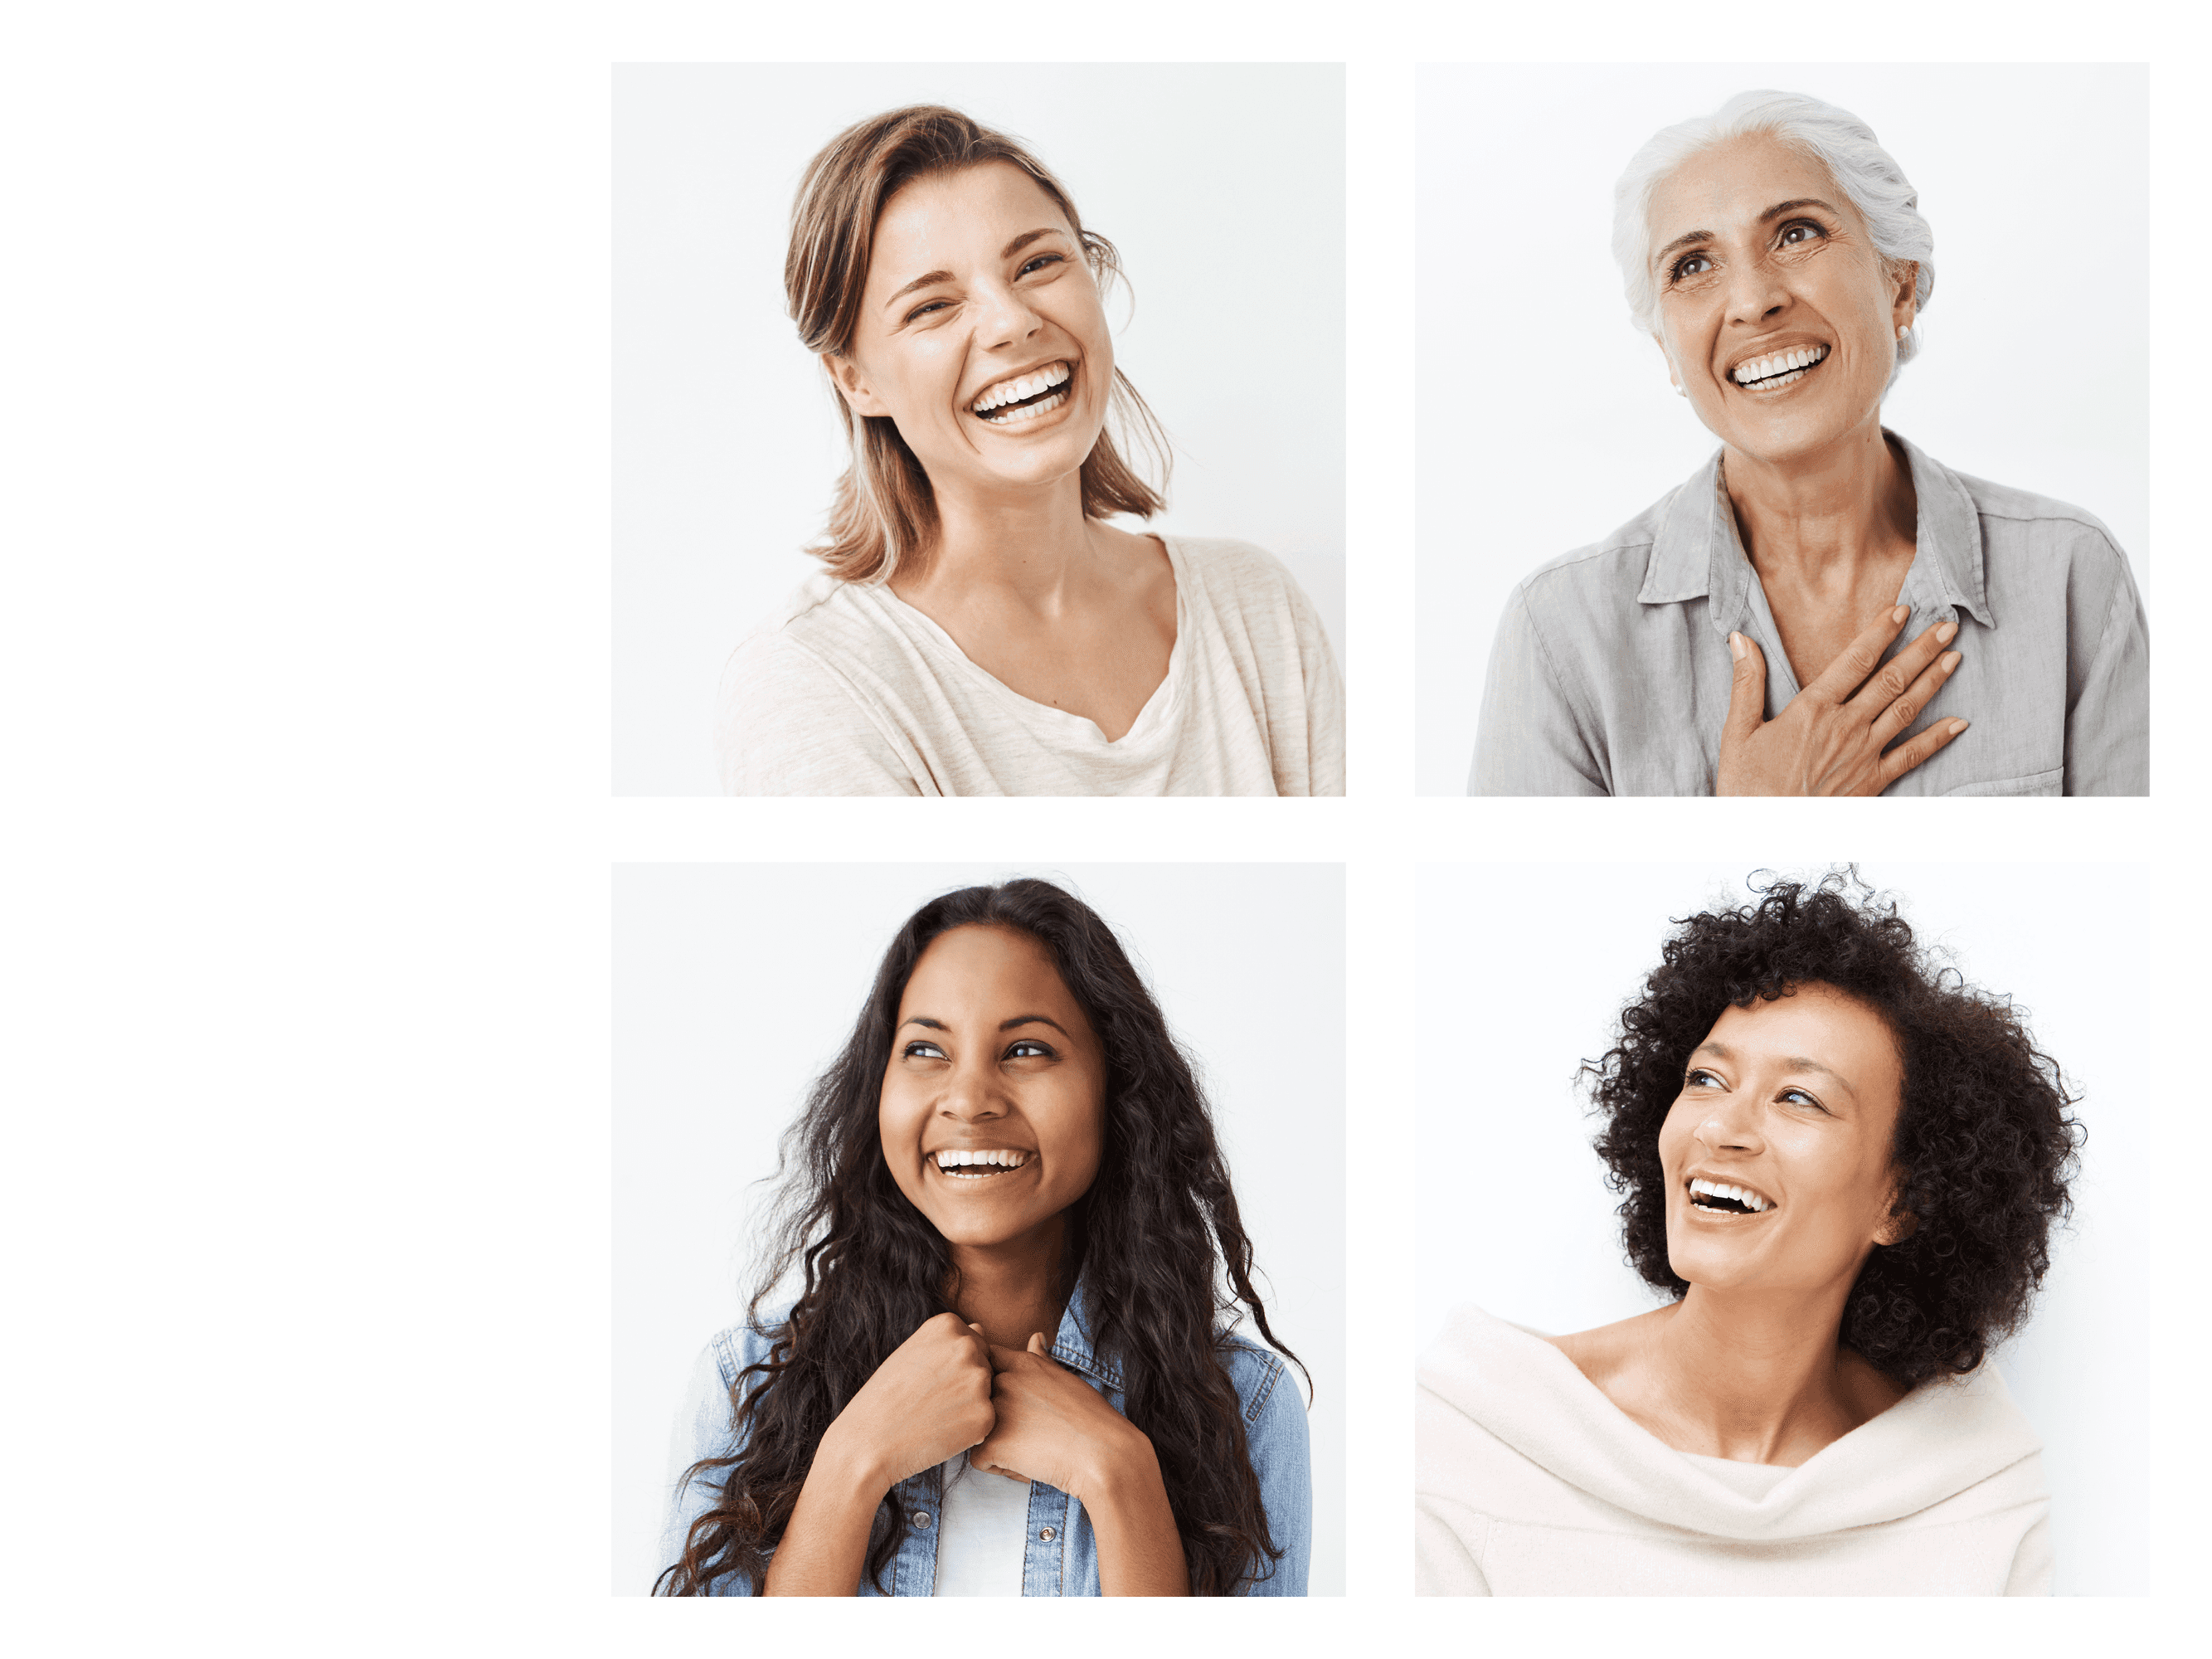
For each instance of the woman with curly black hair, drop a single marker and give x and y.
(1007, 1370)
(1842, 1166)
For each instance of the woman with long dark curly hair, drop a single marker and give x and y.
(1009, 1369)
(1841, 1165)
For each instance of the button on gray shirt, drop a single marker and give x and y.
(1611, 672)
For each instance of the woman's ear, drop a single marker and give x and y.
(1900, 1224)
(1667, 358)
(852, 386)
(1908, 287)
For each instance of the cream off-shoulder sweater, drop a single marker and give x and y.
(1529, 1482)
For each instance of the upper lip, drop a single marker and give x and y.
(1015, 374)
(1769, 348)
(1728, 1178)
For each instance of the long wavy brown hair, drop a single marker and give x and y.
(1164, 1262)
(884, 510)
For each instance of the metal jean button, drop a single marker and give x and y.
(921, 1520)
(1047, 1534)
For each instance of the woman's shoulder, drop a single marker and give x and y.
(1477, 1354)
(795, 716)
(736, 1348)
(1236, 572)
(1997, 501)
(1255, 1370)
(1613, 567)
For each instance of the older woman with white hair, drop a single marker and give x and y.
(1823, 609)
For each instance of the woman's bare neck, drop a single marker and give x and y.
(1012, 1289)
(1753, 1379)
(1825, 521)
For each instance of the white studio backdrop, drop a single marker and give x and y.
(1546, 421)
(1223, 187)
(734, 986)
(1524, 969)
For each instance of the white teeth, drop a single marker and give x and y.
(950, 1162)
(1782, 363)
(1026, 385)
(1743, 1195)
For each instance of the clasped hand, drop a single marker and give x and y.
(1829, 741)
(1014, 1410)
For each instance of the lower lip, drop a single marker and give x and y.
(1728, 1216)
(1780, 384)
(1033, 417)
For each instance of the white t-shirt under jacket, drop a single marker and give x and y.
(850, 691)
(1529, 1482)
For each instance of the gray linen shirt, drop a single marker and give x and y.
(1611, 672)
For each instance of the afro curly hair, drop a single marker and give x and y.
(1984, 1144)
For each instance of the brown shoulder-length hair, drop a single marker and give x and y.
(884, 510)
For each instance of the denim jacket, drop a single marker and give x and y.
(1062, 1556)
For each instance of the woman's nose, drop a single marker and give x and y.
(1007, 318)
(1730, 1126)
(1755, 292)
(972, 1096)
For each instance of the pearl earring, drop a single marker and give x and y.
(1681, 392)
(1904, 328)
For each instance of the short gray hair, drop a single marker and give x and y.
(1836, 138)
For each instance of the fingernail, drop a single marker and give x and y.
(1735, 646)
(1900, 613)
(1957, 726)
(1944, 634)
(1950, 660)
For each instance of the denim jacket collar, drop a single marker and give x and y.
(1696, 553)
(1073, 1346)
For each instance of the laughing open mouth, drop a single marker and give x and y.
(1010, 403)
(1720, 1199)
(1778, 369)
(977, 1165)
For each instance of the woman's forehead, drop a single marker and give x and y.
(1727, 187)
(949, 219)
(984, 964)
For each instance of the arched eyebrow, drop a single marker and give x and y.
(1694, 238)
(1004, 1025)
(1007, 252)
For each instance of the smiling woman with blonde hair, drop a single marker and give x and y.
(1823, 609)
(980, 628)
(1840, 1166)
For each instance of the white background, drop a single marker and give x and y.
(726, 445)
(735, 986)
(1547, 418)
(305, 650)
(1503, 1119)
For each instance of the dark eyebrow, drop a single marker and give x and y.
(1007, 252)
(1004, 1025)
(1690, 239)
(1781, 208)
(1793, 1062)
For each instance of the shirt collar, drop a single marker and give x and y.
(1074, 1347)
(1696, 553)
